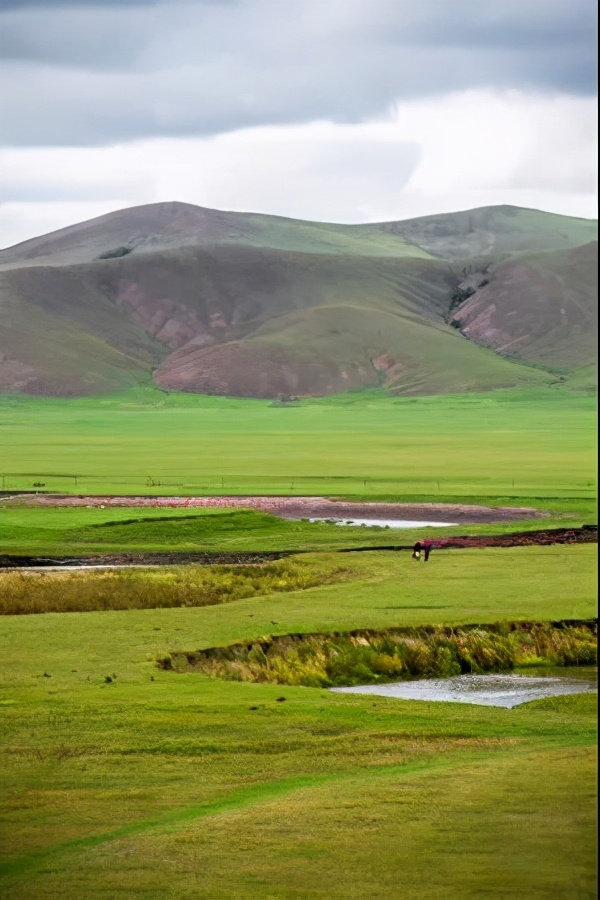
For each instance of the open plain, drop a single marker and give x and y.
(127, 777)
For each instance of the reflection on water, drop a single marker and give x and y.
(486, 690)
(384, 523)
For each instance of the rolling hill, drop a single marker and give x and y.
(493, 231)
(251, 305)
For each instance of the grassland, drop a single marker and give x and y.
(504, 444)
(390, 585)
(123, 780)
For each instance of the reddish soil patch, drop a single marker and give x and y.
(587, 534)
(306, 507)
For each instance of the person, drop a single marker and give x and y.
(425, 547)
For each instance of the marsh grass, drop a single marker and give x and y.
(365, 657)
(23, 593)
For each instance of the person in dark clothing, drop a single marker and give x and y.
(424, 547)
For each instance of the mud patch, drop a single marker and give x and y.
(305, 507)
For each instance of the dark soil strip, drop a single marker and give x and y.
(587, 534)
(143, 559)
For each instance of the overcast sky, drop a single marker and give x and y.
(334, 110)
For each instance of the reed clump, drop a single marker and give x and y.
(190, 586)
(321, 660)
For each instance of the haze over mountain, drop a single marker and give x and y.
(244, 304)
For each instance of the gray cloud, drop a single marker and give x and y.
(76, 4)
(90, 73)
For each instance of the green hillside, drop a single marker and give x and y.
(493, 231)
(145, 229)
(60, 336)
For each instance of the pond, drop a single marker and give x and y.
(505, 690)
(384, 523)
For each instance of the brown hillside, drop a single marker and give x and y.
(538, 307)
(166, 226)
(142, 228)
(62, 337)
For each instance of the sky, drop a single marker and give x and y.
(329, 110)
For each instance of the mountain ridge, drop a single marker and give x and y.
(252, 305)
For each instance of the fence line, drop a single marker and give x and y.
(40, 481)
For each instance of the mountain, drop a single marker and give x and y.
(165, 226)
(252, 305)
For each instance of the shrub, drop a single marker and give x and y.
(116, 253)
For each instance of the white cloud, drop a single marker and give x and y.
(459, 151)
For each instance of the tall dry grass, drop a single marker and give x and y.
(366, 657)
(23, 593)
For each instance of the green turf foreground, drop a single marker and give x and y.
(120, 780)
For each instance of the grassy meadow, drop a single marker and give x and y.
(504, 445)
(125, 780)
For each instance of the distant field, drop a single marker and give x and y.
(516, 445)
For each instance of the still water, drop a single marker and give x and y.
(487, 690)
(384, 523)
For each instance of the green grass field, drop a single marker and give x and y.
(122, 780)
(505, 444)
